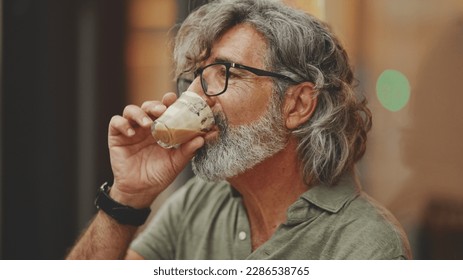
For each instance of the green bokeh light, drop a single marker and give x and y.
(393, 90)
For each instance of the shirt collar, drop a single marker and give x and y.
(332, 198)
(328, 198)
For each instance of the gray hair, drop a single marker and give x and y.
(303, 48)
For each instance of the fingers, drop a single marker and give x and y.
(153, 108)
(156, 108)
(169, 98)
(186, 151)
(137, 116)
(134, 116)
(119, 125)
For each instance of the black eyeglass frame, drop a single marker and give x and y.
(228, 65)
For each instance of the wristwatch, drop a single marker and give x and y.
(123, 214)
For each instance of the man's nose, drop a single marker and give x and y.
(196, 87)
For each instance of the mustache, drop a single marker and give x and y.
(222, 123)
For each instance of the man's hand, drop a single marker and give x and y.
(141, 168)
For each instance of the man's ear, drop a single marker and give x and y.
(299, 104)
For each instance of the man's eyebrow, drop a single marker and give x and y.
(222, 59)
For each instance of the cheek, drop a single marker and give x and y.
(245, 104)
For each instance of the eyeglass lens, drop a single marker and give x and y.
(213, 80)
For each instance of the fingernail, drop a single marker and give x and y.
(160, 108)
(146, 121)
(130, 132)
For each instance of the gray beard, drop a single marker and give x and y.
(239, 148)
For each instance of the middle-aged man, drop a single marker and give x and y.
(276, 178)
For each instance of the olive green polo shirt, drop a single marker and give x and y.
(204, 220)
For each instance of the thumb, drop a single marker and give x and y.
(186, 151)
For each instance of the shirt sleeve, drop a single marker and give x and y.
(158, 240)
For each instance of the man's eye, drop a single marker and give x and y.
(234, 74)
(222, 72)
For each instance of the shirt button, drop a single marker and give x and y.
(242, 235)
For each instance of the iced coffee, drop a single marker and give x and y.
(188, 117)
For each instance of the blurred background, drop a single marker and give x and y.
(67, 66)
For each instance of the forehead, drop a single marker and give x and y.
(241, 44)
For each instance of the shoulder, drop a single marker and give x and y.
(355, 226)
(187, 208)
(370, 231)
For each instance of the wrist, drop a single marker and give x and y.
(139, 199)
(123, 214)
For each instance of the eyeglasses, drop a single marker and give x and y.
(214, 77)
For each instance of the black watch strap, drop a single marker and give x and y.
(123, 214)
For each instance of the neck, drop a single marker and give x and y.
(268, 189)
